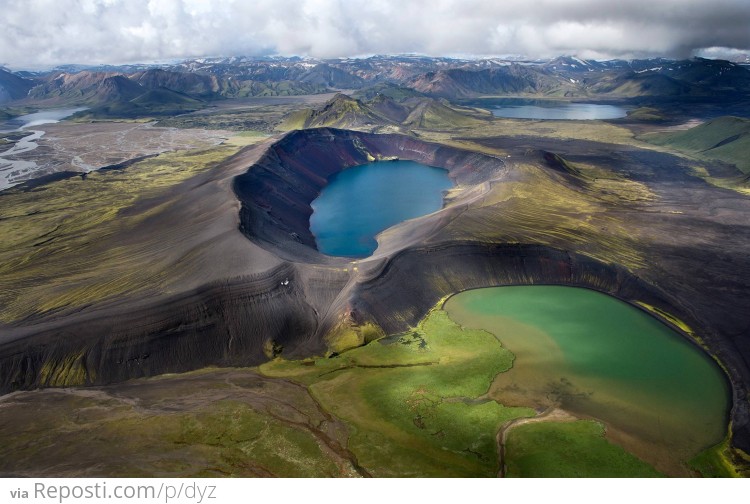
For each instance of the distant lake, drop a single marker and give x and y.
(360, 202)
(14, 169)
(542, 109)
(38, 118)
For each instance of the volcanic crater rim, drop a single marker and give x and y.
(276, 192)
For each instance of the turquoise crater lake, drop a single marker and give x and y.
(360, 202)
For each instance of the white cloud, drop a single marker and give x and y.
(44, 32)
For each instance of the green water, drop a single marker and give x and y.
(360, 202)
(599, 357)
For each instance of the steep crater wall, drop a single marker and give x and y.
(276, 192)
(398, 293)
(240, 322)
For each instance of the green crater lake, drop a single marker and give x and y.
(660, 396)
(360, 202)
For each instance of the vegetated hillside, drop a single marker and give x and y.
(697, 77)
(439, 114)
(633, 84)
(240, 89)
(395, 77)
(389, 89)
(726, 139)
(86, 88)
(343, 111)
(157, 102)
(718, 75)
(508, 80)
(13, 87)
(98, 88)
(193, 84)
(386, 106)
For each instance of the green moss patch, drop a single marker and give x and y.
(411, 400)
(570, 449)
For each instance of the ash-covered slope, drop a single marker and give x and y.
(536, 219)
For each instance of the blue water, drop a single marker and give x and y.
(362, 201)
(38, 118)
(528, 109)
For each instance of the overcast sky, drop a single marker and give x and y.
(40, 33)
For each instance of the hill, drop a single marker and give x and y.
(86, 88)
(13, 87)
(157, 102)
(508, 80)
(725, 139)
(196, 85)
(429, 113)
(389, 89)
(343, 111)
(632, 84)
(663, 78)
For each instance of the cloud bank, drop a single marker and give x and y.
(38, 33)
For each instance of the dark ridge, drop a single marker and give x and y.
(35, 183)
(223, 324)
(724, 142)
(126, 164)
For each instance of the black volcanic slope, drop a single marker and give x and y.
(681, 248)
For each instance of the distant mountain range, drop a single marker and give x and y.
(140, 89)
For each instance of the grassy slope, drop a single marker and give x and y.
(726, 139)
(408, 402)
(346, 112)
(717, 462)
(403, 406)
(570, 449)
(207, 423)
(52, 234)
(159, 102)
(439, 116)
